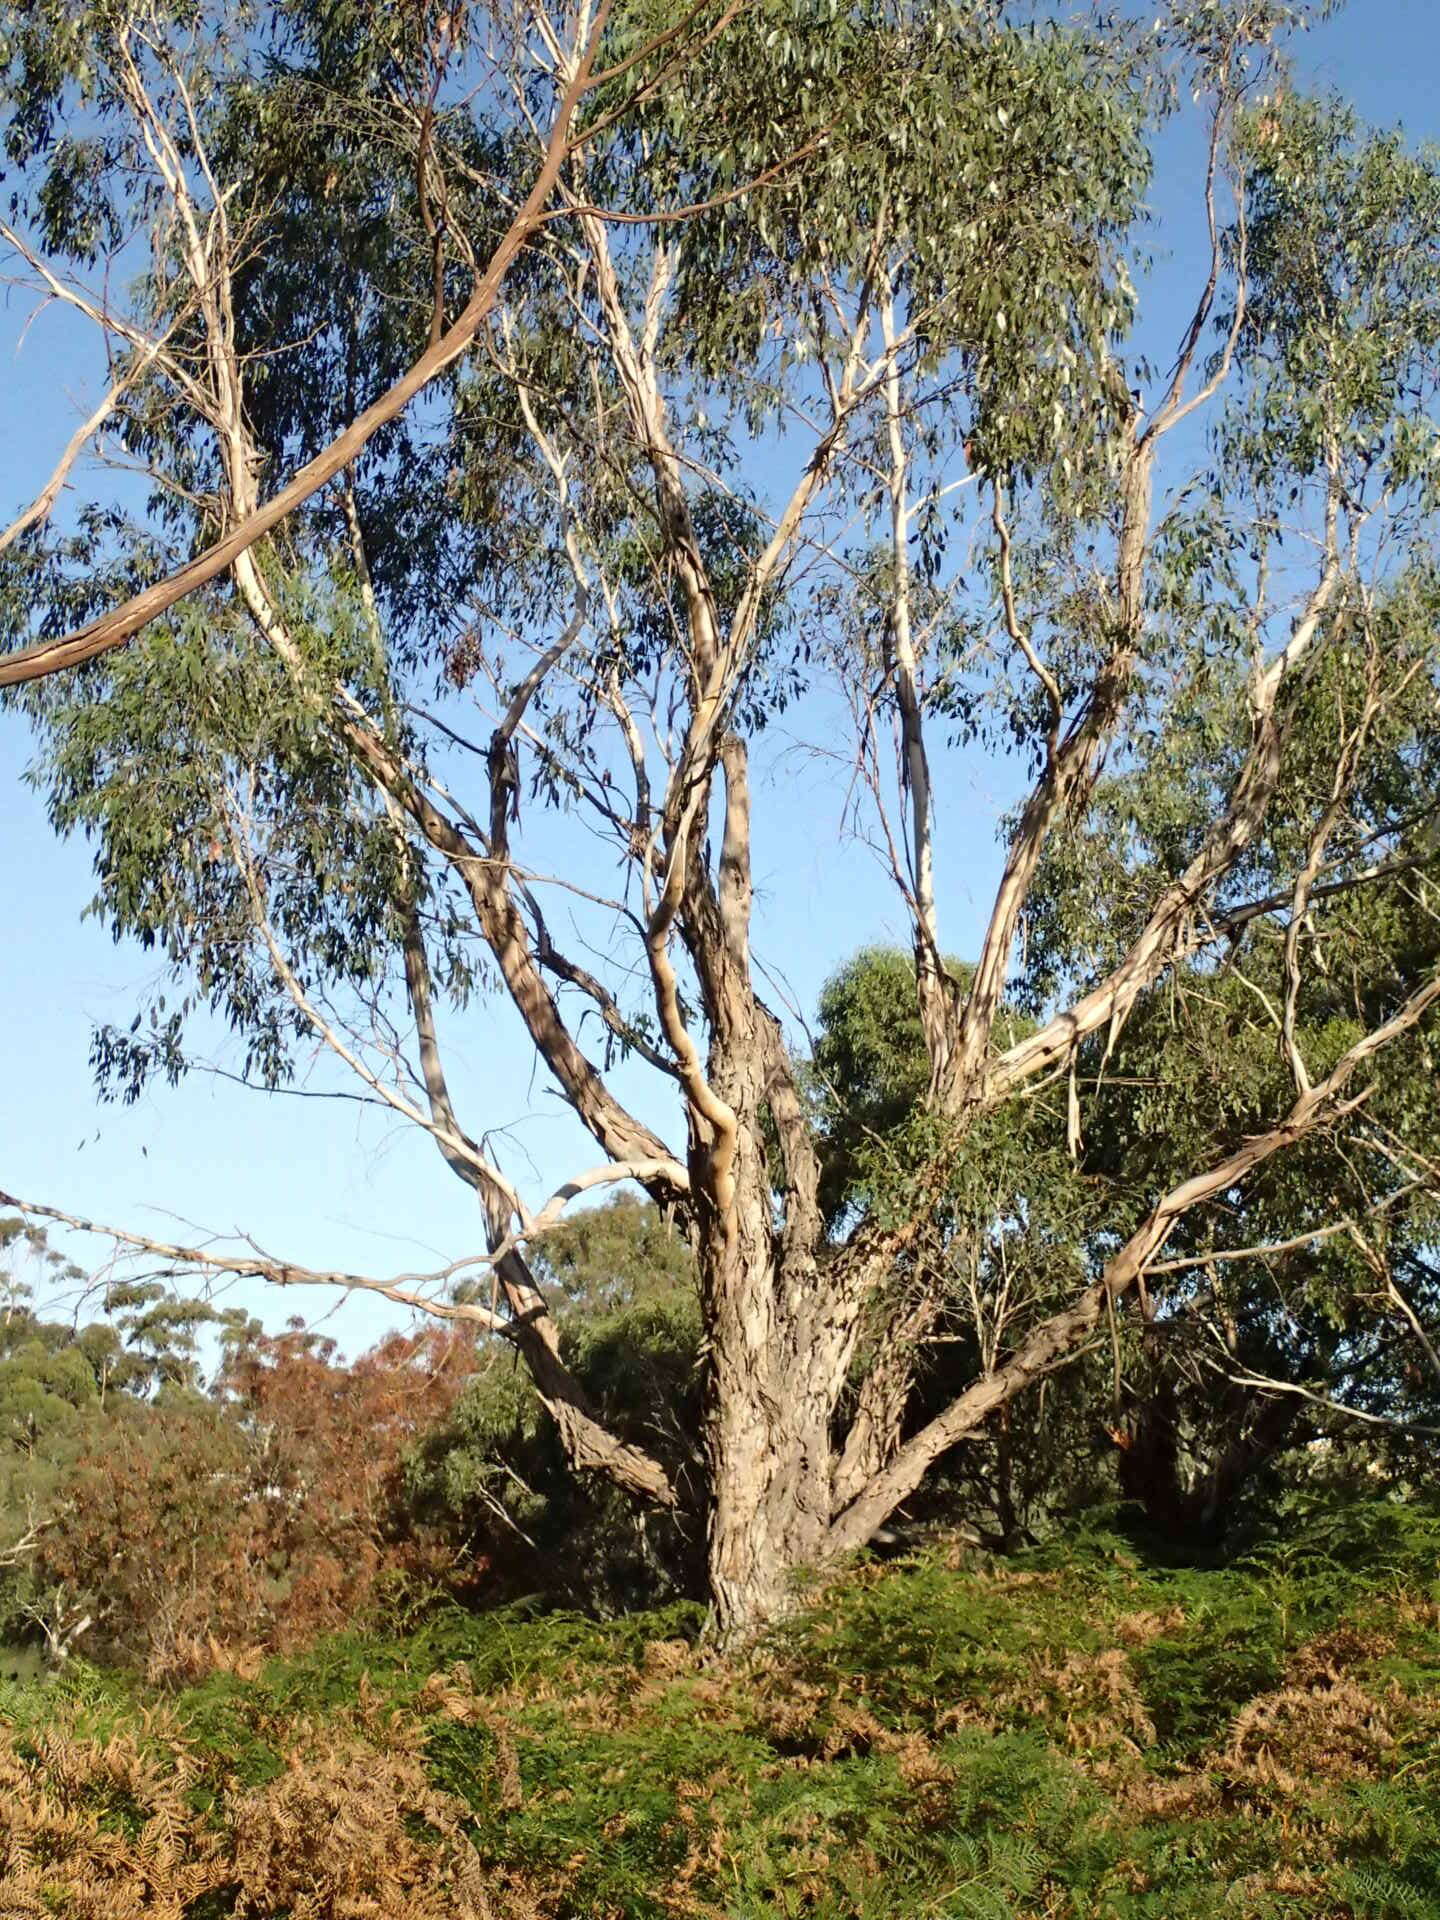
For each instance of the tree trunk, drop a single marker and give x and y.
(768, 1412)
(1195, 1509)
(768, 1477)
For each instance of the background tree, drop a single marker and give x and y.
(314, 793)
(71, 1391)
(214, 1529)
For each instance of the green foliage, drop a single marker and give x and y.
(1232, 1649)
(869, 1070)
(621, 1254)
(1037, 138)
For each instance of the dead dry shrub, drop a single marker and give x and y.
(1140, 1628)
(1089, 1701)
(1332, 1657)
(100, 1829)
(665, 1659)
(1146, 1796)
(1336, 1731)
(788, 1711)
(353, 1830)
(1014, 1579)
(451, 1691)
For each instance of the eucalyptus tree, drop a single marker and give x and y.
(818, 380)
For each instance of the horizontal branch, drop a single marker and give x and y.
(1265, 1250)
(403, 1290)
(1219, 1256)
(1237, 918)
(1267, 1383)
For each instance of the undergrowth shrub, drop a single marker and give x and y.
(101, 1827)
(1108, 1739)
(352, 1825)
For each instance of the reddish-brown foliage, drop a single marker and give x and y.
(329, 1442)
(205, 1533)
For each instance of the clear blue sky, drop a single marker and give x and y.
(324, 1183)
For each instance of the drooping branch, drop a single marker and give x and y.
(404, 1290)
(1412, 1320)
(527, 1326)
(456, 1147)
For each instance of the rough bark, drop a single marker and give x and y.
(783, 1309)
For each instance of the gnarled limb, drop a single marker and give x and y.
(873, 1437)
